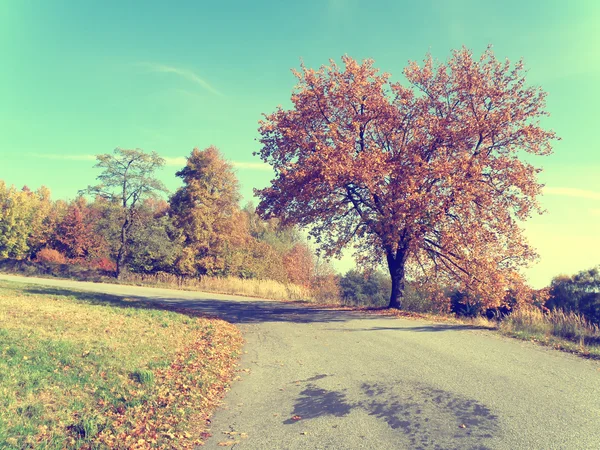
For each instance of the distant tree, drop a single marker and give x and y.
(43, 220)
(22, 220)
(76, 236)
(359, 288)
(127, 178)
(579, 293)
(426, 176)
(152, 248)
(206, 212)
(299, 263)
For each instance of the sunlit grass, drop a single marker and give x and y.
(270, 289)
(77, 371)
(565, 330)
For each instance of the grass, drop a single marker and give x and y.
(269, 289)
(94, 371)
(563, 330)
(224, 285)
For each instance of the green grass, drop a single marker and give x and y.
(75, 367)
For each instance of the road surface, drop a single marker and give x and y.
(314, 378)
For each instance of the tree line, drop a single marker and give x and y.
(124, 223)
(430, 178)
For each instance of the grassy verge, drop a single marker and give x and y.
(564, 331)
(270, 289)
(224, 285)
(94, 371)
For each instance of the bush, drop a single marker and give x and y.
(49, 255)
(361, 289)
(579, 293)
(326, 288)
(420, 300)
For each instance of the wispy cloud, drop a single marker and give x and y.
(183, 73)
(572, 192)
(251, 165)
(181, 161)
(169, 161)
(177, 161)
(63, 157)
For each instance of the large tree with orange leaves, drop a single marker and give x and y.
(427, 175)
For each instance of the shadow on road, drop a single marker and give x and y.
(243, 311)
(429, 418)
(425, 328)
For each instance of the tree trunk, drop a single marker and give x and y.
(122, 247)
(396, 263)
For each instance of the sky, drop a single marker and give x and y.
(81, 77)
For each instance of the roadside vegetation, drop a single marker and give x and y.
(82, 370)
(419, 177)
(563, 330)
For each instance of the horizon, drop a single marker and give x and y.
(81, 81)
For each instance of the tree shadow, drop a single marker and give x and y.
(432, 418)
(429, 418)
(243, 311)
(315, 402)
(424, 328)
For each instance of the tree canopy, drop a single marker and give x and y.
(127, 177)
(426, 175)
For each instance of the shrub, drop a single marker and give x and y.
(326, 288)
(566, 325)
(365, 289)
(49, 255)
(579, 293)
(105, 264)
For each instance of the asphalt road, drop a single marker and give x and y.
(320, 379)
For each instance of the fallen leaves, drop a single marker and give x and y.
(184, 393)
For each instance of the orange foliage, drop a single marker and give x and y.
(425, 175)
(299, 265)
(49, 255)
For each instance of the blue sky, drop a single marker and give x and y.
(80, 78)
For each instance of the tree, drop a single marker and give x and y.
(151, 247)
(127, 177)
(579, 293)
(207, 213)
(426, 176)
(76, 236)
(368, 288)
(299, 263)
(22, 220)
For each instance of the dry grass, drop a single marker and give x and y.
(564, 330)
(225, 285)
(82, 370)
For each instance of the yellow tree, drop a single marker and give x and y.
(206, 212)
(426, 175)
(24, 224)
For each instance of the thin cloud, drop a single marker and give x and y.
(183, 73)
(181, 161)
(177, 161)
(252, 165)
(572, 192)
(64, 157)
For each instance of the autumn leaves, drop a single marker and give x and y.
(427, 175)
